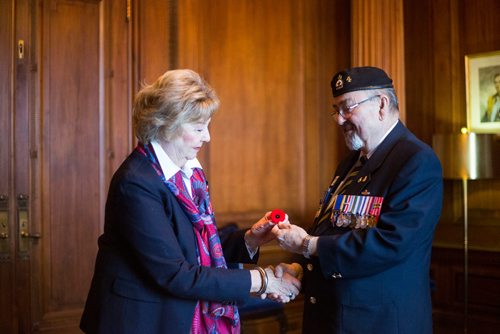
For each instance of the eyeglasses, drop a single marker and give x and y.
(346, 111)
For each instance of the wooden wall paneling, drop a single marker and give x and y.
(326, 51)
(36, 168)
(22, 135)
(421, 117)
(152, 32)
(6, 81)
(118, 85)
(456, 60)
(484, 292)
(190, 25)
(378, 40)
(188, 41)
(480, 26)
(8, 321)
(449, 231)
(446, 267)
(315, 92)
(251, 56)
(484, 215)
(73, 161)
(448, 67)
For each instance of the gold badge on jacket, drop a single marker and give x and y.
(356, 211)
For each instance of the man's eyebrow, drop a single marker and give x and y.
(343, 102)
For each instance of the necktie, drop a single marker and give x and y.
(352, 174)
(347, 181)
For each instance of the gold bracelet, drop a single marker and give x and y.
(265, 280)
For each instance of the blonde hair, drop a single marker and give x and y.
(175, 98)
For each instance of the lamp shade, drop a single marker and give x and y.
(468, 156)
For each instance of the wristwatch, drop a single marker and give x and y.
(305, 246)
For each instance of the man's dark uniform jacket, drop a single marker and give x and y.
(376, 280)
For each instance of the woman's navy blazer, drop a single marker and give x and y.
(147, 278)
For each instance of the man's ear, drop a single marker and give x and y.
(384, 101)
(383, 107)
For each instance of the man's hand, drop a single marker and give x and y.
(293, 269)
(290, 237)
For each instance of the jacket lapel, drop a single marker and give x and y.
(365, 174)
(376, 160)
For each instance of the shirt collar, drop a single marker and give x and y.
(368, 156)
(168, 167)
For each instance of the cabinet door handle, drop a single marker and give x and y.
(25, 236)
(32, 236)
(4, 229)
(20, 49)
(4, 217)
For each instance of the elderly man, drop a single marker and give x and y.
(367, 254)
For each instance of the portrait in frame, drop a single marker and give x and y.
(482, 73)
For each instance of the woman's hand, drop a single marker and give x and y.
(284, 288)
(261, 232)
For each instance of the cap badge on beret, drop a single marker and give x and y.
(360, 78)
(339, 84)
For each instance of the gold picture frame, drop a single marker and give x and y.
(482, 74)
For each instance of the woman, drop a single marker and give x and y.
(160, 266)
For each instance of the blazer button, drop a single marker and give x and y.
(336, 275)
(310, 267)
(312, 300)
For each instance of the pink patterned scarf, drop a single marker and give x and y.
(209, 317)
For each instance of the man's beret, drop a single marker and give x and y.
(360, 78)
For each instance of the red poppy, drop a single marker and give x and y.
(277, 216)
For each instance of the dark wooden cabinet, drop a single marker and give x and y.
(483, 284)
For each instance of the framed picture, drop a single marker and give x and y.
(482, 73)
